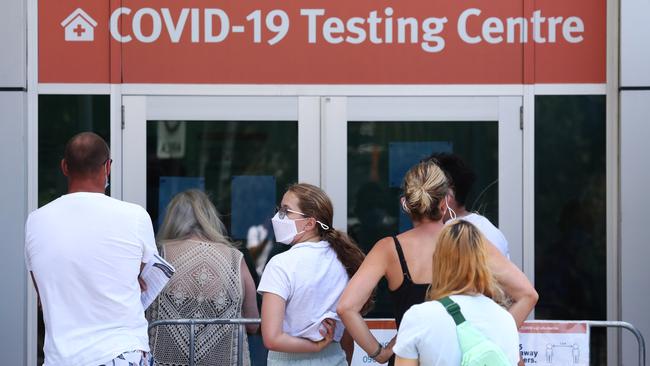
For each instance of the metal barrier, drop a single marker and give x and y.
(241, 322)
(624, 325)
(194, 322)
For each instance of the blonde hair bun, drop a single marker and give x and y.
(425, 186)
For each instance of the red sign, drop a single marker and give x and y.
(316, 42)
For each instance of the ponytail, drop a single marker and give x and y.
(313, 202)
(349, 255)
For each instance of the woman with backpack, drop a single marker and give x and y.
(462, 322)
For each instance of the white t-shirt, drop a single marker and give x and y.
(428, 332)
(491, 232)
(311, 279)
(84, 250)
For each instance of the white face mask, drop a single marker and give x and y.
(285, 229)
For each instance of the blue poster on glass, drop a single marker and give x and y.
(170, 186)
(253, 203)
(401, 157)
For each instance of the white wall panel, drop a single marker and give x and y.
(13, 211)
(13, 61)
(635, 43)
(635, 211)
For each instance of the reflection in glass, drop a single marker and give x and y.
(260, 156)
(570, 241)
(380, 153)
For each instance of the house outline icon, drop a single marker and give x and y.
(79, 26)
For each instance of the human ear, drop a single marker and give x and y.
(64, 167)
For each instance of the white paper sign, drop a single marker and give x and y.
(554, 343)
(171, 140)
(384, 330)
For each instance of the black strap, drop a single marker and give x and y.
(453, 309)
(402, 260)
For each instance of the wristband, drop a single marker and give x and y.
(377, 352)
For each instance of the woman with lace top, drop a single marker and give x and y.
(211, 281)
(301, 287)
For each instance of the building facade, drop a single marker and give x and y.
(547, 101)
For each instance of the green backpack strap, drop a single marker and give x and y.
(453, 309)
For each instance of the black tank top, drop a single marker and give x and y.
(408, 293)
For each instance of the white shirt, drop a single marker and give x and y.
(491, 232)
(85, 250)
(428, 332)
(311, 279)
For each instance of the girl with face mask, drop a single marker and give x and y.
(301, 287)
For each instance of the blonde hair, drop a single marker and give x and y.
(425, 186)
(460, 264)
(190, 213)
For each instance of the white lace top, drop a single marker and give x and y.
(207, 284)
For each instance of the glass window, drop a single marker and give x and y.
(59, 118)
(380, 153)
(249, 163)
(570, 216)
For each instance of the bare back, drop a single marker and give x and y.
(418, 245)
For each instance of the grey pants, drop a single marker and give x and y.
(332, 355)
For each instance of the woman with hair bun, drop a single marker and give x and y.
(405, 261)
(302, 286)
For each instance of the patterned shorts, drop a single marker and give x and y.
(133, 358)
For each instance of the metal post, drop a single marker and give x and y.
(240, 344)
(192, 343)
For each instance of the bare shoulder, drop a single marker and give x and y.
(384, 245)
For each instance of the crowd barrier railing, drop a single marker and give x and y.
(192, 323)
(240, 323)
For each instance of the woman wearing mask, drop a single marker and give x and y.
(428, 333)
(301, 287)
(405, 261)
(211, 281)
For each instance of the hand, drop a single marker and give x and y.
(143, 285)
(385, 354)
(329, 325)
(256, 235)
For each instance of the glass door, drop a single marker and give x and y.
(242, 151)
(370, 142)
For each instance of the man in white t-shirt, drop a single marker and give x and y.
(85, 252)
(462, 179)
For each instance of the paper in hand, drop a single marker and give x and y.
(156, 273)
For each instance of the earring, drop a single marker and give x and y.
(404, 207)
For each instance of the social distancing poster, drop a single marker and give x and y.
(554, 343)
(547, 343)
